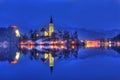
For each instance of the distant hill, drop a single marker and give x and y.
(89, 34)
(116, 37)
(111, 33)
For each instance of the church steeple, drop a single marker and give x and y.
(51, 26)
(51, 20)
(51, 70)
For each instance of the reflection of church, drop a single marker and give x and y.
(12, 54)
(51, 60)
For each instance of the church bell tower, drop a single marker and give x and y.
(51, 27)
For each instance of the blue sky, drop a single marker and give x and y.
(89, 14)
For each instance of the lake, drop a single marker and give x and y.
(61, 63)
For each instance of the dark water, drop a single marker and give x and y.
(75, 63)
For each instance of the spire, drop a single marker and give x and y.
(51, 21)
(51, 70)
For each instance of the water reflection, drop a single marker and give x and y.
(10, 54)
(49, 53)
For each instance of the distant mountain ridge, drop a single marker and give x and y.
(92, 34)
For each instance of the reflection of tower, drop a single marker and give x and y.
(51, 27)
(51, 62)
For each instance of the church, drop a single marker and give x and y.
(48, 32)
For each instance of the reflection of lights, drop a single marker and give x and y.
(46, 55)
(110, 45)
(92, 44)
(21, 46)
(55, 47)
(118, 43)
(37, 54)
(106, 44)
(55, 42)
(51, 47)
(62, 46)
(41, 42)
(73, 46)
(5, 44)
(73, 42)
(51, 60)
(17, 56)
(14, 62)
(29, 43)
(51, 42)
(41, 46)
(27, 46)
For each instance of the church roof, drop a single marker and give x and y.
(51, 20)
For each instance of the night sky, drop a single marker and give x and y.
(88, 14)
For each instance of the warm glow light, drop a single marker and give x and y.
(73, 42)
(51, 47)
(46, 55)
(51, 60)
(62, 46)
(51, 29)
(118, 43)
(110, 45)
(29, 43)
(62, 42)
(90, 43)
(14, 62)
(73, 46)
(37, 35)
(106, 43)
(51, 42)
(26, 46)
(17, 55)
(55, 42)
(37, 54)
(46, 33)
(55, 47)
(17, 33)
